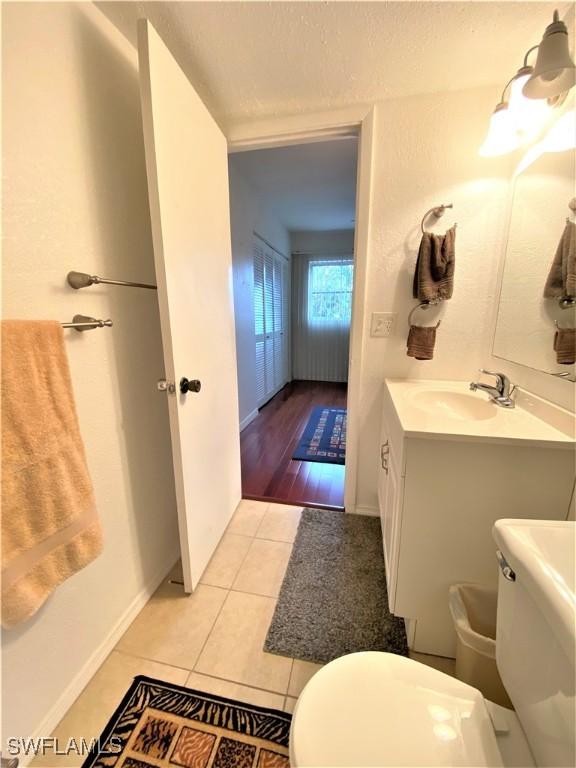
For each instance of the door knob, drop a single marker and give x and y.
(190, 385)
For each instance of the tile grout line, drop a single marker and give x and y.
(210, 632)
(243, 685)
(228, 591)
(290, 678)
(274, 541)
(253, 594)
(147, 658)
(231, 589)
(202, 674)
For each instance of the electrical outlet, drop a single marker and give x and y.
(382, 324)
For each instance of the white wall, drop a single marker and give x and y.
(337, 241)
(426, 153)
(248, 214)
(318, 353)
(75, 197)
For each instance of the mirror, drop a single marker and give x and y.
(542, 201)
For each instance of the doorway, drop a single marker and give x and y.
(292, 222)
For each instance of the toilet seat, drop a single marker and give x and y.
(380, 709)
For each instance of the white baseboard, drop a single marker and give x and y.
(367, 511)
(93, 664)
(248, 419)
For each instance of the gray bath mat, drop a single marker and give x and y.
(333, 599)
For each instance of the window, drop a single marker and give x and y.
(330, 292)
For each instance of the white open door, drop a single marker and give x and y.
(187, 167)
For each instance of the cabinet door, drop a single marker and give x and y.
(383, 495)
(383, 459)
(383, 470)
(391, 527)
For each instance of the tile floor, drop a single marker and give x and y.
(211, 640)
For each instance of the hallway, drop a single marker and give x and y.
(267, 445)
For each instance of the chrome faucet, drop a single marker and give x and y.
(501, 393)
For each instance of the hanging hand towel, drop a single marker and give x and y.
(421, 341)
(434, 273)
(565, 346)
(50, 528)
(561, 280)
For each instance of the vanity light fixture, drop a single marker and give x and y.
(533, 92)
(528, 114)
(502, 135)
(554, 73)
(518, 120)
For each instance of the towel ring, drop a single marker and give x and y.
(438, 211)
(423, 305)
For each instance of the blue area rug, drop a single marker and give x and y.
(324, 438)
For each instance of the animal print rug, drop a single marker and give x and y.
(161, 725)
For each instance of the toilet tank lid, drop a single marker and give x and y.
(541, 554)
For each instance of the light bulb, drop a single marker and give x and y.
(529, 115)
(502, 133)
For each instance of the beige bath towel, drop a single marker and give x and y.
(50, 528)
(421, 341)
(434, 273)
(561, 280)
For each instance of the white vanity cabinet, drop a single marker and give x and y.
(443, 482)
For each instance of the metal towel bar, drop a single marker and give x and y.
(84, 323)
(78, 280)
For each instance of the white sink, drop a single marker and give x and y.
(461, 406)
(448, 409)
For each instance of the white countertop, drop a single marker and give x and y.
(449, 410)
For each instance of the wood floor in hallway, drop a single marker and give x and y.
(267, 445)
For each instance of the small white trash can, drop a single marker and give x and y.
(473, 609)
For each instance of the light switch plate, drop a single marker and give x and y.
(382, 324)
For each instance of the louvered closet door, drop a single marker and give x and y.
(269, 321)
(278, 336)
(259, 324)
(286, 372)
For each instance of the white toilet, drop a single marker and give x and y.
(379, 709)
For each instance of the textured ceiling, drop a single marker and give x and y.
(256, 59)
(309, 187)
